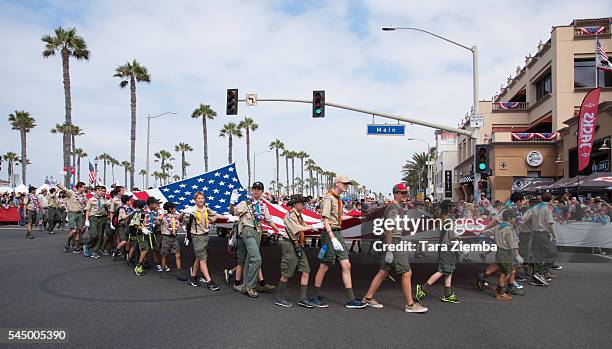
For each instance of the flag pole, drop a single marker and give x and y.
(596, 68)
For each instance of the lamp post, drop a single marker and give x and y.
(149, 117)
(475, 87)
(255, 159)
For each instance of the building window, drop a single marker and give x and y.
(584, 74)
(543, 86)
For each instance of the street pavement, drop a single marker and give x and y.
(103, 304)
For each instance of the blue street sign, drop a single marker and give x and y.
(386, 130)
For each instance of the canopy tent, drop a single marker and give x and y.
(536, 185)
(598, 181)
(21, 188)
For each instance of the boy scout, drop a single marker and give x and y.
(293, 257)
(52, 210)
(545, 253)
(252, 212)
(75, 204)
(169, 243)
(33, 206)
(122, 225)
(331, 213)
(507, 251)
(110, 229)
(150, 220)
(396, 261)
(96, 212)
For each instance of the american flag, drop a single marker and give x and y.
(603, 61)
(592, 30)
(92, 174)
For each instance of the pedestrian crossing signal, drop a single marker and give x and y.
(232, 102)
(318, 104)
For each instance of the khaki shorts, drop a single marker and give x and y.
(290, 262)
(122, 232)
(31, 217)
(147, 242)
(76, 220)
(169, 245)
(446, 262)
(332, 255)
(400, 263)
(504, 259)
(200, 246)
(240, 251)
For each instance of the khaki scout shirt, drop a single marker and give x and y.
(31, 202)
(94, 209)
(540, 217)
(293, 223)
(393, 211)
(52, 200)
(75, 202)
(201, 227)
(115, 203)
(170, 223)
(246, 215)
(506, 238)
(448, 235)
(330, 209)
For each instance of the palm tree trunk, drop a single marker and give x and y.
(133, 128)
(248, 144)
(292, 176)
(205, 135)
(125, 172)
(73, 151)
(302, 176)
(183, 165)
(229, 155)
(287, 169)
(311, 183)
(78, 169)
(143, 182)
(68, 107)
(113, 173)
(277, 170)
(104, 177)
(24, 157)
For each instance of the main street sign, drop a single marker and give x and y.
(386, 130)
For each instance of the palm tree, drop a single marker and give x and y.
(230, 130)
(163, 156)
(182, 148)
(292, 156)
(310, 166)
(74, 131)
(23, 122)
(277, 145)
(131, 73)
(287, 154)
(157, 176)
(143, 173)
(166, 170)
(113, 162)
(413, 170)
(176, 178)
(68, 44)
(11, 159)
(63, 129)
(204, 111)
(302, 155)
(248, 125)
(105, 157)
(127, 167)
(80, 153)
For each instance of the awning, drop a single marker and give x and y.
(535, 185)
(594, 181)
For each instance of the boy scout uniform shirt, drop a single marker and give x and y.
(330, 209)
(201, 227)
(96, 210)
(392, 212)
(170, 224)
(246, 218)
(32, 203)
(540, 217)
(448, 235)
(293, 222)
(52, 200)
(75, 202)
(115, 204)
(505, 238)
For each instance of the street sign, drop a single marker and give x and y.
(477, 120)
(251, 99)
(386, 130)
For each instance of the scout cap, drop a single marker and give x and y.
(152, 200)
(168, 205)
(343, 179)
(296, 198)
(257, 185)
(508, 214)
(400, 187)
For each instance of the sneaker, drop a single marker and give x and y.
(138, 270)
(283, 303)
(549, 276)
(305, 303)
(238, 288)
(114, 254)
(158, 268)
(212, 286)
(193, 281)
(451, 298)
(481, 282)
(517, 286)
(420, 293)
(539, 279)
(165, 275)
(265, 288)
(66, 248)
(105, 252)
(227, 276)
(86, 252)
(76, 250)
(537, 282)
(503, 297)
(415, 308)
(355, 304)
(515, 291)
(521, 277)
(95, 255)
(52, 233)
(30, 236)
(180, 275)
(371, 302)
(251, 292)
(556, 267)
(318, 302)
(167, 269)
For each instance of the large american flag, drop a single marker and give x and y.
(602, 59)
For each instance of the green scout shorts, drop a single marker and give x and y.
(107, 229)
(147, 242)
(169, 245)
(76, 220)
(400, 262)
(504, 259)
(290, 262)
(241, 251)
(31, 217)
(446, 262)
(332, 255)
(200, 246)
(122, 232)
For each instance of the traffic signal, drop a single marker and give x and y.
(482, 158)
(318, 104)
(232, 101)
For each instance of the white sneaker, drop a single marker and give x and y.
(415, 308)
(158, 268)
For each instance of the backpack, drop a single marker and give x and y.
(188, 227)
(115, 220)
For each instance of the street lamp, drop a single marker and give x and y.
(149, 140)
(255, 158)
(474, 51)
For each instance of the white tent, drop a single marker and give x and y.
(21, 188)
(6, 190)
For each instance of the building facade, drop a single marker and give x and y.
(444, 163)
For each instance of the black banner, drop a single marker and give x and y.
(448, 183)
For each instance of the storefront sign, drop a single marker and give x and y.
(534, 158)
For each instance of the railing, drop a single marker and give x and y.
(505, 106)
(534, 137)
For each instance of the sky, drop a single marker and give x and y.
(195, 50)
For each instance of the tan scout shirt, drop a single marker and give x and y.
(115, 203)
(246, 214)
(170, 223)
(74, 202)
(96, 210)
(201, 226)
(52, 200)
(330, 209)
(540, 217)
(391, 213)
(293, 223)
(506, 238)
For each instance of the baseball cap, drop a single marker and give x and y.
(168, 205)
(258, 185)
(152, 200)
(400, 187)
(343, 179)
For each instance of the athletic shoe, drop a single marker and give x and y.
(451, 298)
(503, 297)
(521, 277)
(355, 304)
(95, 255)
(86, 251)
(212, 286)
(265, 288)
(251, 292)
(556, 267)
(515, 291)
(165, 275)
(105, 252)
(76, 250)
(537, 282)
(193, 281)
(305, 303)
(66, 248)
(372, 302)
(517, 285)
(481, 283)
(227, 276)
(51, 233)
(420, 293)
(238, 288)
(138, 270)
(318, 302)
(540, 278)
(158, 268)
(180, 275)
(415, 308)
(114, 254)
(549, 276)
(30, 236)
(283, 303)
(167, 269)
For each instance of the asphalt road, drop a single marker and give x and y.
(104, 305)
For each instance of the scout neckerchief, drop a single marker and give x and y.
(504, 224)
(298, 215)
(152, 218)
(127, 209)
(171, 222)
(332, 193)
(34, 200)
(198, 216)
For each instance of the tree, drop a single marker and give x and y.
(310, 166)
(182, 148)
(113, 162)
(68, 44)
(157, 176)
(277, 145)
(72, 131)
(80, 153)
(230, 130)
(11, 159)
(143, 173)
(204, 111)
(106, 158)
(127, 167)
(248, 125)
(413, 170)
(23, 122)
(287, 155)
(292, 156)
(301, 155)
(176, 178)
(131, 73)
(163, 156)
